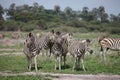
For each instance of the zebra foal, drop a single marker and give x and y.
(31, 50)
(60, 48)
(77, 49)
(109, 43)
(46, 42)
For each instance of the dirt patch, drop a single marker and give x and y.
(10, 42)
(59, 76)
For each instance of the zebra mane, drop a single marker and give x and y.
(101, 38)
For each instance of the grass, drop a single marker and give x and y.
(16, 46)
(93, 65)
(38, 77)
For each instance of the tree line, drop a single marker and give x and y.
(27, 18)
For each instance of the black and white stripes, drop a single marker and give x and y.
(108, 43)
(45, 43)
(77, 50)
(60, 48)
(31, 49)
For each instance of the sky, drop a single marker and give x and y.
(111, 6)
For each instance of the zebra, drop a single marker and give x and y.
(46, 42)
(108, 43)
(31, 50)
(77, 49)
(66, 39)
(60, 48)
(2, 35)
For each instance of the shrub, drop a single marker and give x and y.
(28, 27)
(11, 25)
(75, 23)
(113, 30)
(1, 24)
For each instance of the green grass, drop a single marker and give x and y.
(38, 77)
(17, 46)
(93, 65)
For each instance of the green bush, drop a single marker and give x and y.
(28, 27)
(113, 30)
(1, 24)
(76, 23)
(11, 25)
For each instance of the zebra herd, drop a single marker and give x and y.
(60, 45)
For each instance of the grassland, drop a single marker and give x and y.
(93, 63)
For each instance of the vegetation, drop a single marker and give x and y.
(28, 18)
(93, 63)
(38, 77)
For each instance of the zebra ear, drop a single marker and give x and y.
(70, 34)
(30, 34)
(58, 33)
(52, 31)
(88, 40)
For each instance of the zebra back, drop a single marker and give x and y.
(110, 43)
(31, 47)
(46, 42)
(78, 48)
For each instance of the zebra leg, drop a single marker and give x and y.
(104, 56)
(64, 60)
(75, 60)
(83, 63)
(35, 61)
(60, 57)
(55, 62)
(29, 63)
(46, 51)
(78, 62)
(42, 52)
(101, 53)
(49, 53)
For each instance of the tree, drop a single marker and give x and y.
(95, 13)
(41, 8)
(11, 10)
(85, 11)
(26, 7)
(118, 17)
(57, 9)
(84, 14)
(1, 12)
(35, 7)
(68, 11)
(101, 12)
(105, 17)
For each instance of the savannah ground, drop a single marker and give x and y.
(13, 63)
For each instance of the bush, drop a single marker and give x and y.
(113, 30)
(1, 24)
(11, 25)
(29, 27)
(76, 23)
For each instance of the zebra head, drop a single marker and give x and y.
(68, 36)
(29, 40)
(88, 45)
(51, 36)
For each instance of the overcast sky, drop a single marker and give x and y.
(111, 6)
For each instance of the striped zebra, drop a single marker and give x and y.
(46, 42)
(77, 49)
(31, 50)
(66, 39)
(60, 48)
(108, 43)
